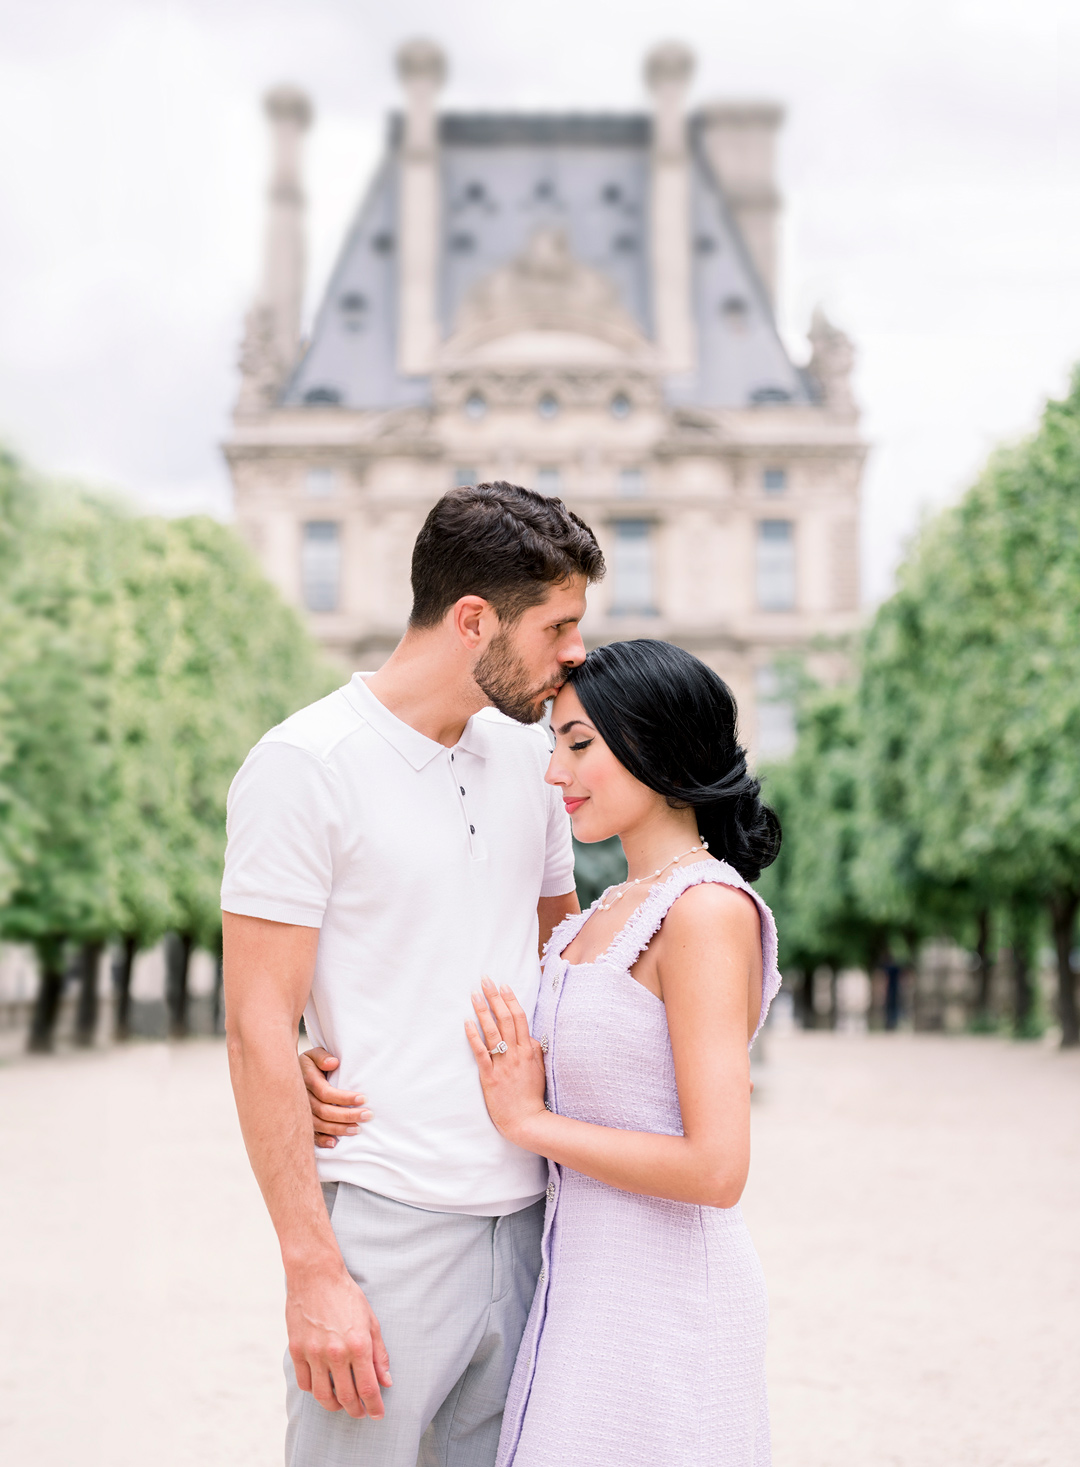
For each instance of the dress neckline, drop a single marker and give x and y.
(617, 935)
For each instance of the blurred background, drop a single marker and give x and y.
(788, 309)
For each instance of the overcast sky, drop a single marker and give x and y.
(930, 165)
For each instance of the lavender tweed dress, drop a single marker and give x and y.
(645, 1346)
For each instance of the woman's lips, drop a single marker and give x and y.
(574, 804)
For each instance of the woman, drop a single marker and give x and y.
(646, 1340)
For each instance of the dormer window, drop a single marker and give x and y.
(353, 310)
(325, 396)
(548, 406)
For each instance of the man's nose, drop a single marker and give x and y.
(572, 652)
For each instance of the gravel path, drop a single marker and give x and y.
(915, 1202)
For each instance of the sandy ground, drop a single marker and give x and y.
(916, 1203)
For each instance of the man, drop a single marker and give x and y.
(388, 847)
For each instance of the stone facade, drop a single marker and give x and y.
(582, 303)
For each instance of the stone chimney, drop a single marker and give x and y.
(421, 67)
(272, 329)
(668, 69)
(739, 139)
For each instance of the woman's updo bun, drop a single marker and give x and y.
(671, 721)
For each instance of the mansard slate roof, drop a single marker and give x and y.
(503, 176)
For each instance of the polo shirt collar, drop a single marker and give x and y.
(474, 737)
(412, 745)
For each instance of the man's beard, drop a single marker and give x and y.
(501, 676)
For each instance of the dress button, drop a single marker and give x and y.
(551, 1191)
(543, 1276)
(544, 1046)
(547, 1104)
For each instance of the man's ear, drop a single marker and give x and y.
(473, 619)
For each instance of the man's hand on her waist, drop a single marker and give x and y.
(335, 1342)
(334, 1113)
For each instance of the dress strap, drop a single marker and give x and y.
(644, 923)
(563, 935)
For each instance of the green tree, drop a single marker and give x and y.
(56, 690)
(140, 660)
(971, 678)
(812, 886)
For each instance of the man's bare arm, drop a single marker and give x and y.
(334, 1337)
(551, 910)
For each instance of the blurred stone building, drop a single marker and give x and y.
(580, 302)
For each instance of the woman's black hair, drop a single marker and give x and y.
(671, 721)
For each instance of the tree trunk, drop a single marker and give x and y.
(86, 1015)
(51, 977)
(893, 972)
(1022, 990)
(980, 1019)
(219, 996)
(834, 998)
(1063, 908)
(1024, 922)
(178, 947)
(122, 966)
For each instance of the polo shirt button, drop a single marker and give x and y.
(472, 829)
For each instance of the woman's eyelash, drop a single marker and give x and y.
(583, 744)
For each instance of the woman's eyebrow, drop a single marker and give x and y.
(566, 727)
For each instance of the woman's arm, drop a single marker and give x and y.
(707, 954)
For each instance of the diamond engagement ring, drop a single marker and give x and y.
(500, 1048)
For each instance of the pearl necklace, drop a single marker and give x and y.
(626, 885)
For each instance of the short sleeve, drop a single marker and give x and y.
(282, 833)
(559, 852)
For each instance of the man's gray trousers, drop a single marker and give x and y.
(452, 1293)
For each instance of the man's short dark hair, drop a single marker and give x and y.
(499, 541)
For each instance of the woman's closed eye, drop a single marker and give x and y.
(581, 744)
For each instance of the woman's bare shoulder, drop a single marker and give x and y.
(713, 909)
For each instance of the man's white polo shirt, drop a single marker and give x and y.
(422, 867)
